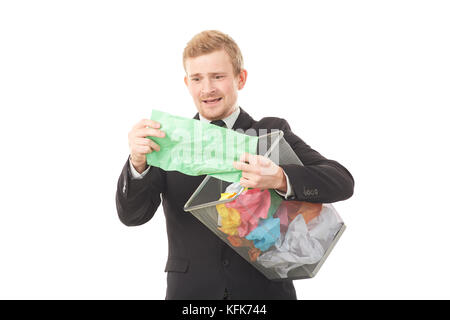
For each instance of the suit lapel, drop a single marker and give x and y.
(244, 121)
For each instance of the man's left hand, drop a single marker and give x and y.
(260, 172)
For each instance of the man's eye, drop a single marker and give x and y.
(195, 79)
(219, 77)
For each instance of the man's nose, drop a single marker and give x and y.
(207, 87)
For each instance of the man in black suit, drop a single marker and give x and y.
(200, 265)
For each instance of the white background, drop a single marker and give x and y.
(363, 82)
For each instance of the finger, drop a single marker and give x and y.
(247, 183)
(245, 167)
(258, 160)
(149, 132)
(265, 162)
(142, 141)
(250, 176)
(154, 145)
(147, 123)
(147, 142)
(142, 149)
(245, 157)
(253, 159)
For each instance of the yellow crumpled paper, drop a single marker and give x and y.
(231, 218)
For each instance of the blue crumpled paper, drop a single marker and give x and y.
(266, 234)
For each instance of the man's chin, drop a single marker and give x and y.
(212, 113)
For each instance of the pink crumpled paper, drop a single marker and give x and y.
(253, 205)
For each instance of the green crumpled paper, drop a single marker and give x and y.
(196, 148)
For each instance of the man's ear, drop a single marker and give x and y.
(186, 80)
(242, 79)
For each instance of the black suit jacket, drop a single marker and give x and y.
(200, 265)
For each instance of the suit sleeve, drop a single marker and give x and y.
(138, 199)
(319, 179)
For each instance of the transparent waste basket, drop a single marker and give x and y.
(300, 237)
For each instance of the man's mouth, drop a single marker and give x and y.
(211, 101)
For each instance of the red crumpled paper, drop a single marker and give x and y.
(289, 210)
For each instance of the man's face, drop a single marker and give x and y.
(213, 85)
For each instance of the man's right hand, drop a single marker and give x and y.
(140, 145)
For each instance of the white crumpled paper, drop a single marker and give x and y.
(302, 244)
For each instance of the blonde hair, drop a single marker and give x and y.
(212, 40)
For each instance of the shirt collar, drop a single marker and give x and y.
(229, 121)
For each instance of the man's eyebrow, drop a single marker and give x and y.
(211, 73)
